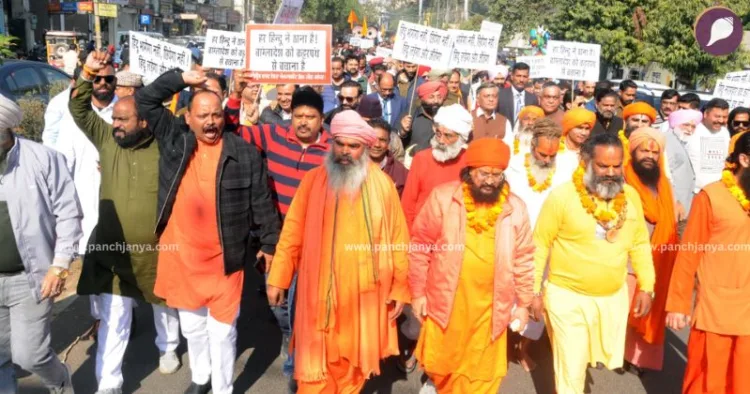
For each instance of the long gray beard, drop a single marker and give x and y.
(540, 173)
(346, 178)
(594, 184)
(524, 137)
(443, 153)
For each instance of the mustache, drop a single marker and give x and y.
(340, 159)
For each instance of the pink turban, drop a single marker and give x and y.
(349, 124)
(426, 89)
(643, 134)
(683, 116)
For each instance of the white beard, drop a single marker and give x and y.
(443, 153)
(524, 138)
(605, 192)
(346, 178)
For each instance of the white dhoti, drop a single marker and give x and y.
(584, 330)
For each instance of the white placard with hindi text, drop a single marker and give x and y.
(738, 76)
(298, 54)
(383, 52)
(355, 41)
(422, 45)
(151, 58)
(737, 94)
(224, 49)
(538, 65)
(288, 12)
(473, 49)
(491, 28)
(573, 60)
(366, 43)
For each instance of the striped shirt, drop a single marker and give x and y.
(287, 160)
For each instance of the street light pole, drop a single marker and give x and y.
(97, 26)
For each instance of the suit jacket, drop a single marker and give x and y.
(399, 106)
(506, 105)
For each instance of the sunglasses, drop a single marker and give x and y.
(106, 78)
(347, 99)
(741, 124)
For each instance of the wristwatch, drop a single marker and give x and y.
(61, 273)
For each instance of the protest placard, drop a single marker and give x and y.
(737, 94)
(288, 12)
(473, 49)
(491, 28)
(538, 65)
(422, 45)
(298, 54)
(151, 57)
(573, 60)
(355, 41)
(383, 52)
(366, 43)
(224, 49)
(738, 76)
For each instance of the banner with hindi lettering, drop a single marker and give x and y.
(288, 12)
(473, 49)
(383, 52)
(737, 94)
(422, 45)
(298, 54)
(573, 60)
(538, 65)
(151, 57)
(224, 49)
(738, 76)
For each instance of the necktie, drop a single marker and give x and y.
(519, 104)
(387, 109)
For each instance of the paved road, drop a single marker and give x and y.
(258, 367)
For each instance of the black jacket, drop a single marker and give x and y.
(244, 198)
(615, 125)
(506, 104)
(273, 116)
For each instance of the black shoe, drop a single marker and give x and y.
(292, 386)
(637, 371)
(196, 388)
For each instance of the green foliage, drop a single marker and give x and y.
(473, 23)
(520, 16)
(57, 87)
(7, 43)
(670, 41)
(332, 12)
(32, 124)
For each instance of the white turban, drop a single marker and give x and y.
(499, 69)
(455, 118)
(10, 113)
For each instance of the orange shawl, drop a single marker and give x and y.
(382, 276)
(658, 210)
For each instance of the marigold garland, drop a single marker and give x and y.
(516, 144)
(728, 179)
(602, 216)
(490, 218)
(535, 186)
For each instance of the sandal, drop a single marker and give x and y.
(406, 365)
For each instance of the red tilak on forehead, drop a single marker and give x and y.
(653, 146)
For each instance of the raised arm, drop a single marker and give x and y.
(93, 126)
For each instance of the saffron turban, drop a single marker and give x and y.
(497, 70)
(531, 109)
(422, 70)
(682, 116)
(733, 141)
(577, 117)
(10, 113)
(639, 108)
(349, 124)
(456, 118)
(643, 134)
(426, 89)
(488, 152)
(376, 61)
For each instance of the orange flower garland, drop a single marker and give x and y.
(489, 220)
(535, 186)
(516, 144)
(602, 216)
(728, 179)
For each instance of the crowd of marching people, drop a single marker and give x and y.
(446, 218)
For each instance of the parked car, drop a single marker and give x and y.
(19, 78)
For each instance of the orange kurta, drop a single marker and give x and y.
(463, 358)
(343, 282)
(190, 274)
(718, 358)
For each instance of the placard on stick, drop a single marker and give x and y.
(151, 58)
(422, 45)
(298, 54)
(573, 60)
(224, 49)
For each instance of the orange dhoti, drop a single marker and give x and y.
(463, 358)
(717, 364)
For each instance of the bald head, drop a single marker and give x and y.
(386, 84)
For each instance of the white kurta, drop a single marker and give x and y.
(708, 152)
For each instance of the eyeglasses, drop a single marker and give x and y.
(482, 176)
(745, 123)
(447, 136)
(347, 99)
(106, 78)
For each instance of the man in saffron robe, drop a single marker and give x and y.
(522, 130)
(465, 296)
(589, 228)
(719, 345)
(341, 237)
(644, 344)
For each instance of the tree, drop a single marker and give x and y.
(331, 12)
(520, 16)
(669, 40)
(7, 43)
(608, 23)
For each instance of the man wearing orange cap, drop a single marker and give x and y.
(464, 296)
(346, 210)
(576, 130)
(719, 346)
(636, 115)
(587, 231)
(416, 128)
(522, 130)
(644, 344)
